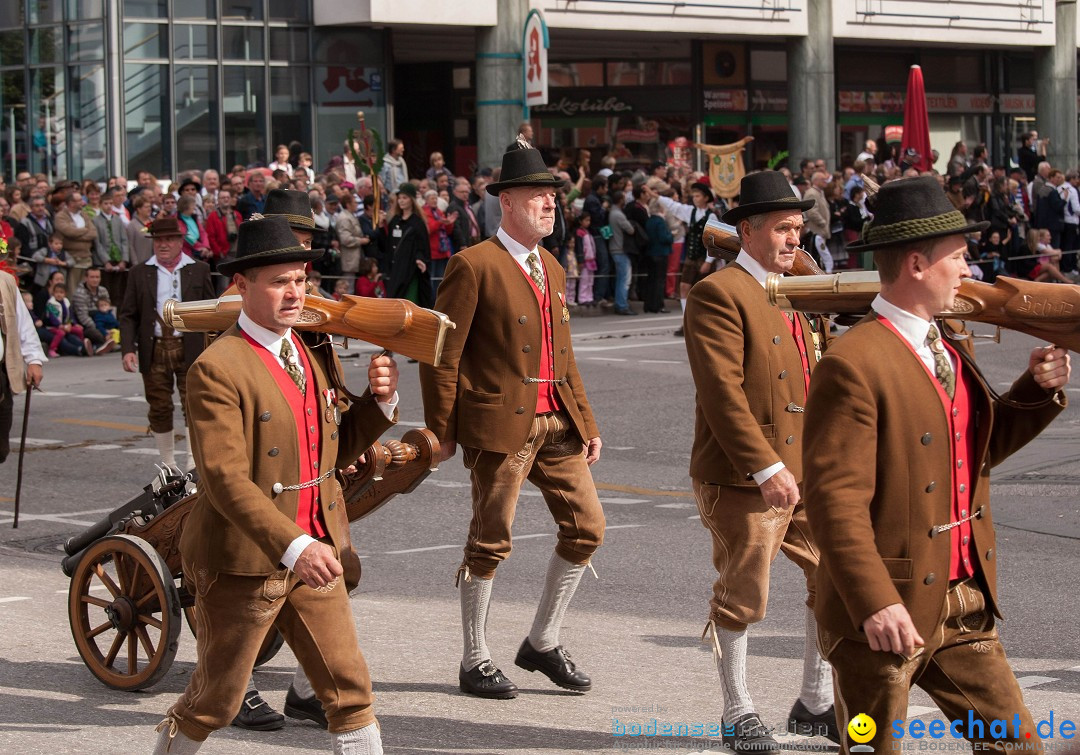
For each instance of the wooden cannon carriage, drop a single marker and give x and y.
(127, 590)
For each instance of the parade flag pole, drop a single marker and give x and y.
(22, 453)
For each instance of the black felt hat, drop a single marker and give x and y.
(266, 241)
(523, 167)
(295, 206)
(909, 211)
(767, 191)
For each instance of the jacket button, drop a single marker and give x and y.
(990, 555)
(264, 417)
(782, 375)
(526, 348)
(776, 340)
(332, 505)
(273, 451)
(333, 435)
(929, 580)
(562, 350)
(926, 439)
(790, 439)
(309, 411)
(519, 410)
(933, 532)
(930, 488)
(523, 319)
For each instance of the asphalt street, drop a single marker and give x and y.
(635, 626)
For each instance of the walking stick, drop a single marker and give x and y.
(22, 452)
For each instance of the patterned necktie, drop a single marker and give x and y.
(291, 365)
(942, 369)
(535, 271)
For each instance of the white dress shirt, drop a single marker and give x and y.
(760, 274)
(168, 285)
(271, 341)
(913, 329)
(519, 252)
(28, 338)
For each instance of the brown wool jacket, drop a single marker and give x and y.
(748, 375)
(244, 439)
(878, 465)
(477, 397)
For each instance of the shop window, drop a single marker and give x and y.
(290, 10)
(88, 124)
(194, 41)
(12, 15)
(146, 9)
(575, 74)
(955, 72)
(46, 45)
(244, 104)
(146, 40)
(195, 9)
(146, 118)
(289, 44)
(290, 106)
(44, 11)
(768, 65)
(12, 48)
(86, 42)
(47, 111)
(195, 89)
(83, 10)
(871, 69)
(636, 73)
(242, 10)
(1019, 72)
(242, 42)
(353, 46)
(13, 100)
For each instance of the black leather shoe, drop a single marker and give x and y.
(257, 715)
(628, 312)
(305, 708)
(801, 721)
(679, 332)
(486, 680)
(555, 664)
(746, 734)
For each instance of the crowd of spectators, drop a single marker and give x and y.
(620, 233)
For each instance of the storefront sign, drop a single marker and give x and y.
(348, 86)
(726, 101)
(584, 106)
(535, 47)
(894, 134)
(1017, 103)
(769, 101)
(870, 102)
(959, 103)
(647, 132)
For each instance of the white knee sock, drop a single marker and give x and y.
(172, 741)
(251, 685)
(366, 741)
(817, 688)
(166, 446)
(729, 652)
(300, 683)
(475, 598)
(559, 586)
(186, 443)
(682, 303)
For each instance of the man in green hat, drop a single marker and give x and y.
(901, 432)
(267, 541)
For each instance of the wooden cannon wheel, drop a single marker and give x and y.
(124, 611)
(270, 646)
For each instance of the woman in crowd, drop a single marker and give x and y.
(195, 242)
(656, 258)
(409, 250)
(140, 245)
(439, 228)
(994, 251)
(834, 194)
(1048, 265)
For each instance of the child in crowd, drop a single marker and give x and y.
(588, 266)
(52, 260)
(60, 324)
(571, 266)
(341, 288)
(104, 319)
(305, 161)
(369, 280)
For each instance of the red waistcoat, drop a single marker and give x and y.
(960, 417)
(546, 400)
(795, 324)
(305, 410)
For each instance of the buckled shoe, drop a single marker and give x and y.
(746, 734)
(802, 721)
(257, 715)
(555, 664)
(486, 680)
(305, 708)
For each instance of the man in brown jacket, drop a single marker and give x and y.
(751, 366)
(901, 432)
(267, 541)
(508, 390)
(80, 236)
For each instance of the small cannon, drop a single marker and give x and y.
(127, 587)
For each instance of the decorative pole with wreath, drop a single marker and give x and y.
(369, 160)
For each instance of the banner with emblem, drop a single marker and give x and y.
(726, 167)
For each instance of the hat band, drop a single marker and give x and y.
(914, 228)
(254, 256)
(531, 177)
(299, 219)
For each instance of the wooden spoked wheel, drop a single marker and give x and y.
(270, 646)
(125, 612)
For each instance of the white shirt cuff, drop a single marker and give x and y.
(767, 472)
(388, 407)
(710, 259)
(296, 547)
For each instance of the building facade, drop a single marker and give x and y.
(92, 88)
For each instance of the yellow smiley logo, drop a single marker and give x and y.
(862, 728)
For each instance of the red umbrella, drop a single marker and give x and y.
(916, 122)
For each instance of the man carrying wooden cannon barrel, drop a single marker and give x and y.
(508, 390)
(751, 367)
(907, 589)
(267, 541)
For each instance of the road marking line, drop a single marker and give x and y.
(54, 393)
(421, 550)
(584, 349)
(143, 451)
(55, 518)
(530, 537)
(87, 511)
(643, 491)
(99, 395)
(101, 423)
(622, 526)
(660, 361)
(102, 447)
(1033, 681)
(674, 506)
(1074, 668)
(36, 442)
(594, 334)
(11, 600)
(624, 500)
(411, 424)
(606, 359)
(914, 711)
(134, 398)
(695, 516)
(619, 448)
